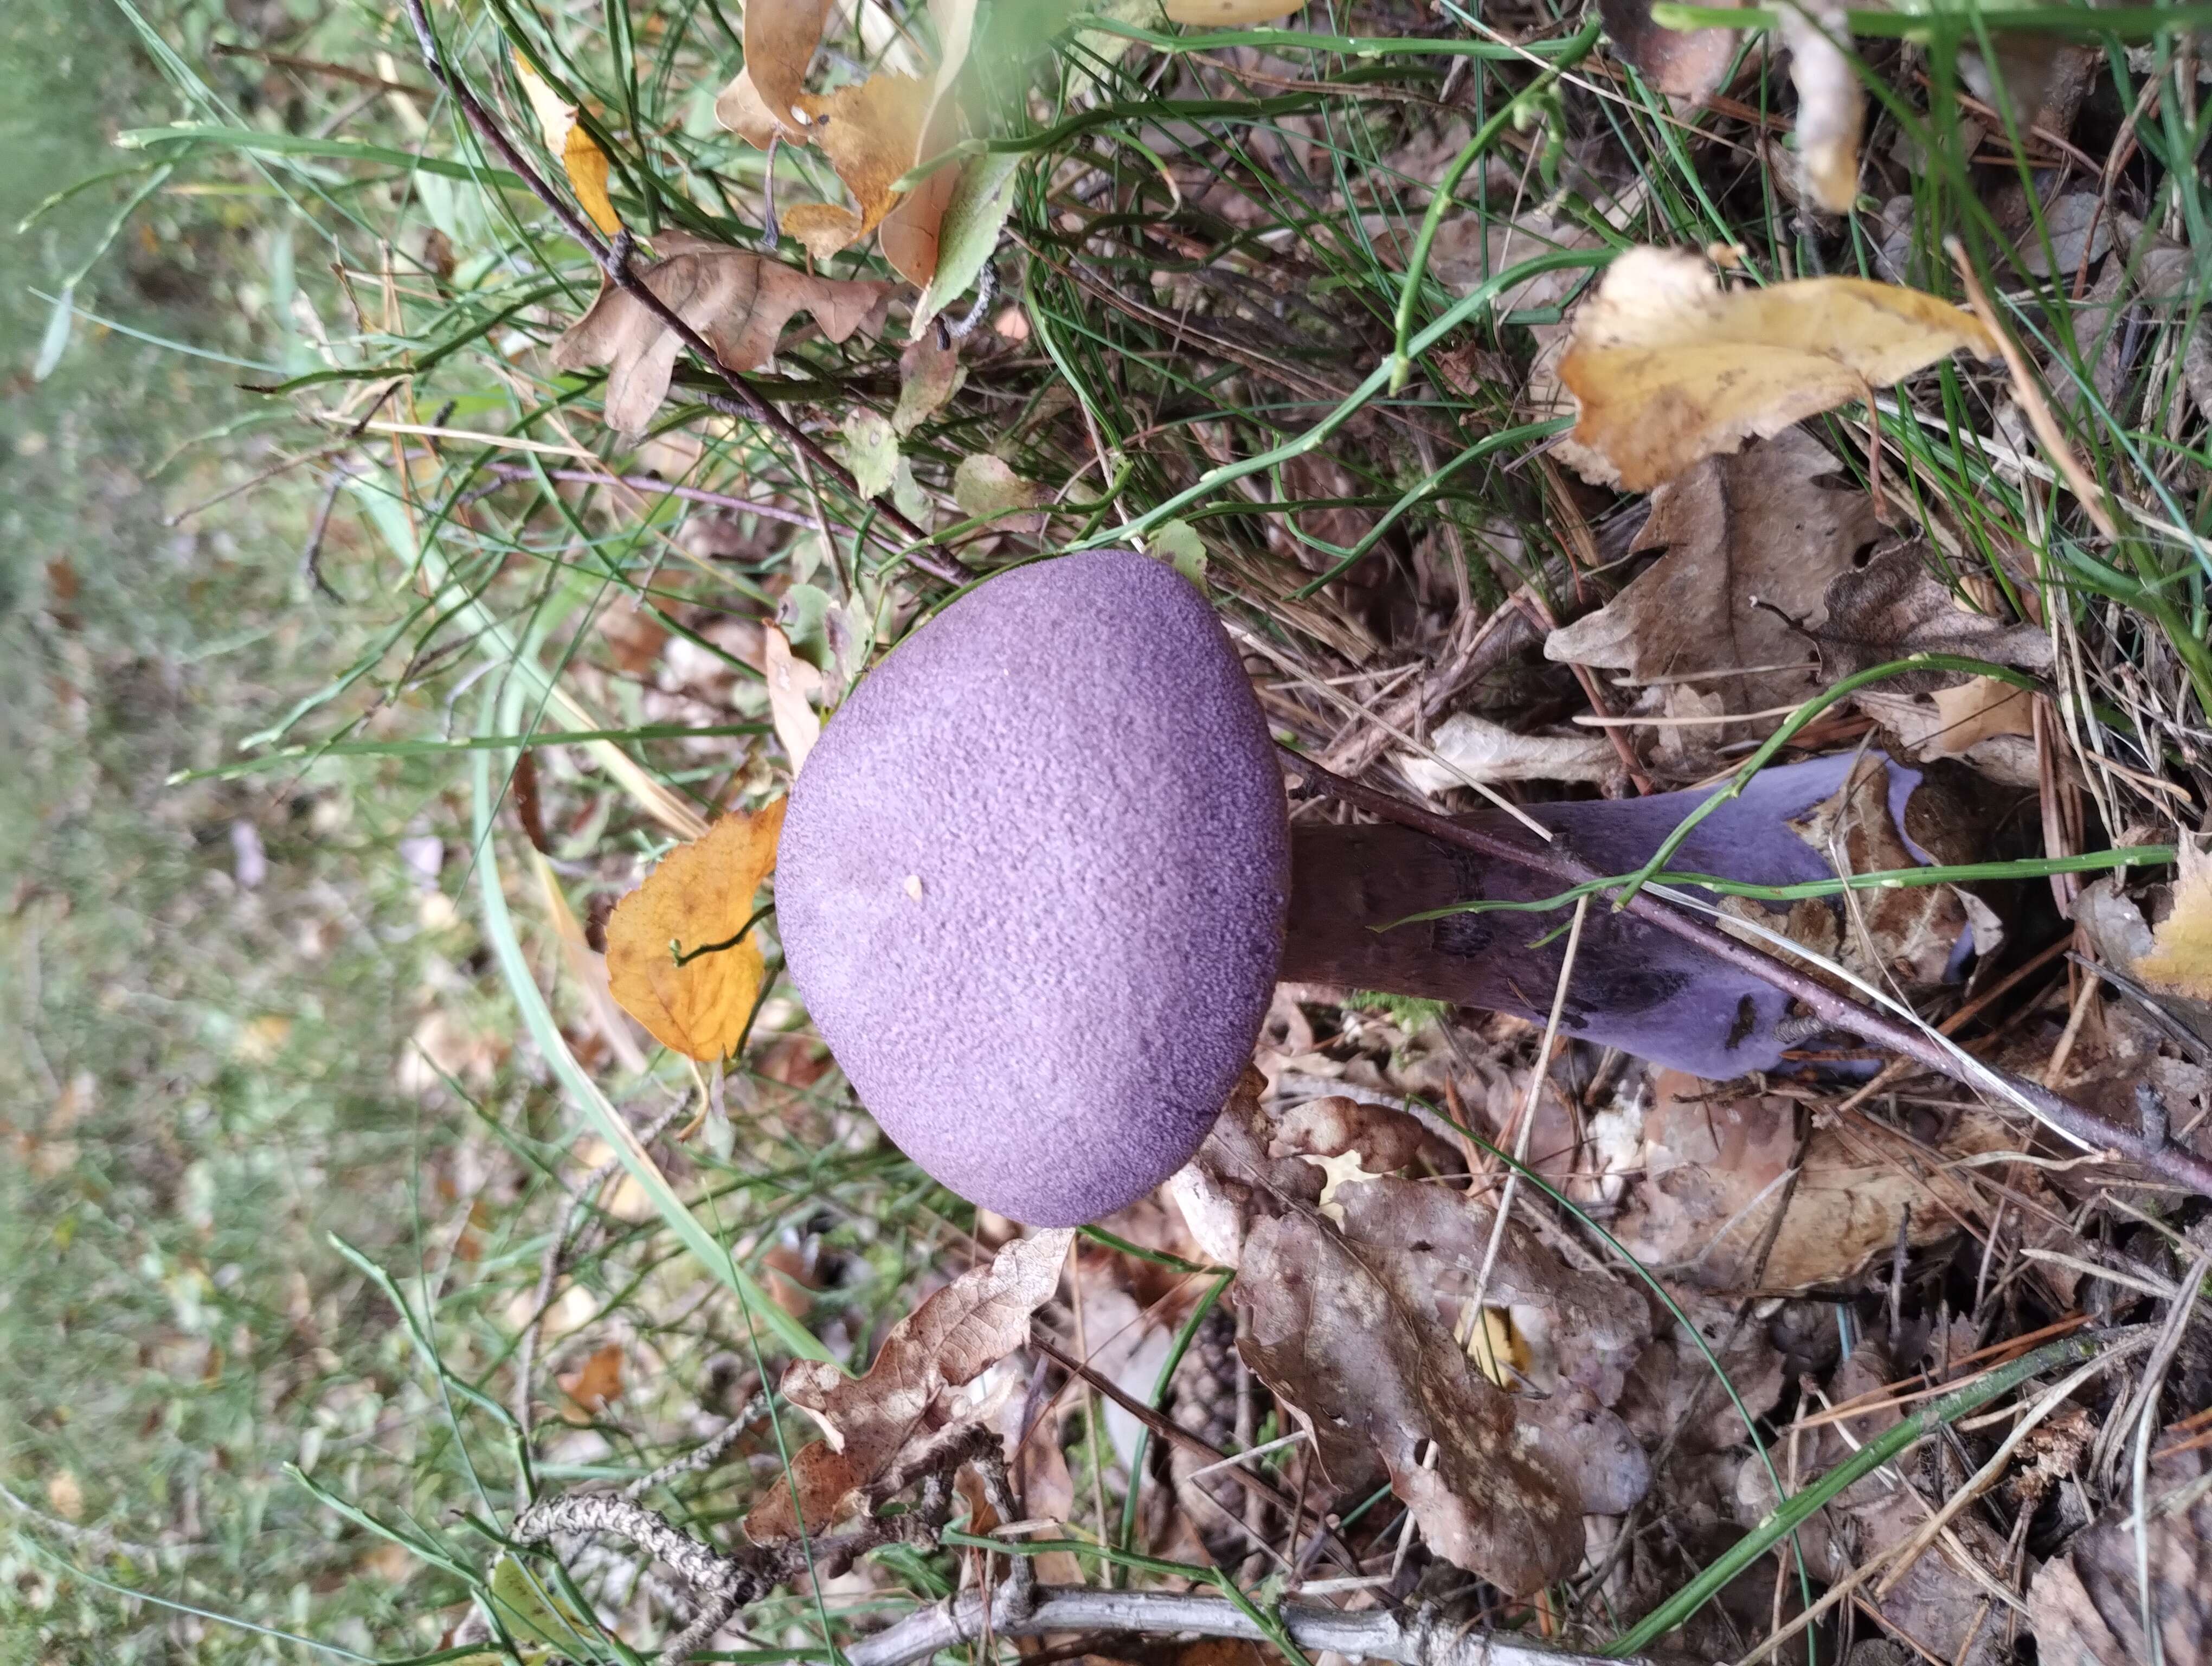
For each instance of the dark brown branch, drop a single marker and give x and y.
(645, 483)
(614, 263)
(2182, 1167)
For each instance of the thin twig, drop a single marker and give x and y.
(1411, 1637)
(645, 483)
(614, 262)
(2182, 1167)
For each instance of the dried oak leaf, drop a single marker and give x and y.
(1716, 1169)
(701, 893)
(1355, 1330)
(869, 1422)
(2086, 1604)
(869, 132)
(1684, 64)
(739, 303)
(1894, 607)
(1666, 368)
(1752, 542)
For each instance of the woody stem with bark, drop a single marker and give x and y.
(614, 261)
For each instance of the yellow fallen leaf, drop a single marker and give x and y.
(585, 163)
(700, 895)
(1666, 368)
(1228, 14)
(2182, 959)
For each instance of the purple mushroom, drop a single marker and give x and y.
(1037, 882)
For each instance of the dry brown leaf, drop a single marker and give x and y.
(701, 893)
(1748, 540)
(868, 1422)
(1894, 607)
(1685, 63)
(1356, 1330)
(1716, 1167)
(739, 303)
(869, 132)
(1666, 368)
(781, 39)
(1831, 104)
(582, 159)
(598, 1380)
(2086, 1605)
(739, 107)
(823, 228)
(2182, 958)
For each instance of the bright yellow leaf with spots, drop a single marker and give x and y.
(2182, 960)
(582, 160)
(698, 899)
(1666, 368)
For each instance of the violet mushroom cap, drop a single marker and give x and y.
(1032, 882)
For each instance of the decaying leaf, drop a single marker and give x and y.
(582, 159)
(1717, 1167)
(869, 132)
(2181, 960)
(1752, 543)
(872, 131)
(1831, 105)
(1907, 934)
(1474, 749)
(871, 451)
(1684, 64)
(1356, 1329)
(1666, 368)
(2086, 1605)
(1894, 607)
(596, 1382)
(985, 485)
(701, 893)
(739, 303)
(909, 1393)
(781, 39)
(929, 376)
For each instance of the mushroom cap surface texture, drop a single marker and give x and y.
(1032, 883)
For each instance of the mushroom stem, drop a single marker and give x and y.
(1635, 986)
